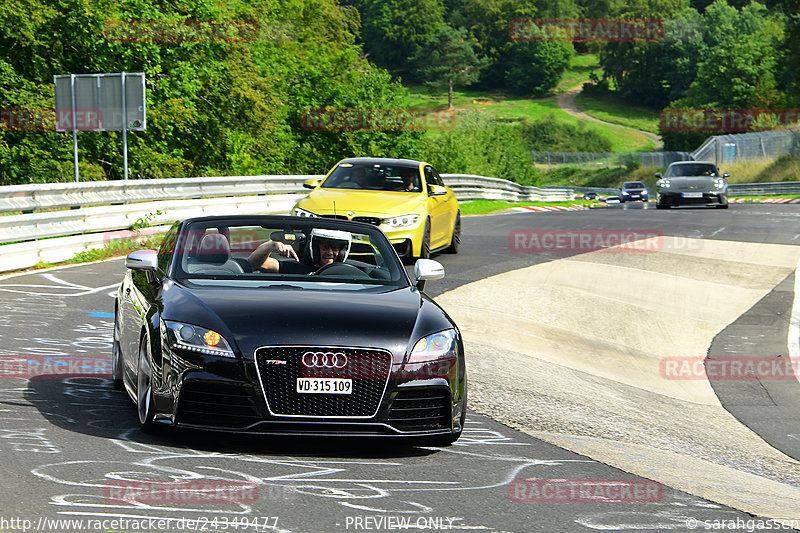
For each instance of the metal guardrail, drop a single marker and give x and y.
(764, 189)
(89, 207)
(89, 214)
(34, 197)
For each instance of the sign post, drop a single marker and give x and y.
(100, 102)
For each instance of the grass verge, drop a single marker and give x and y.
(612, 109)
(485, 207)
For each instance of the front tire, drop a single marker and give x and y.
(144, 387)
(117, 368)
(425, 249)
(455, 242)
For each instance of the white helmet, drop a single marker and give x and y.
(342, 237)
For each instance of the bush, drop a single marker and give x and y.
(480, 145)
(552, 135)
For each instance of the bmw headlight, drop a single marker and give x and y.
(302, 213)
(402, 221)
(195, 339)
(437, 346)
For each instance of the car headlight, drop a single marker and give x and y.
(625, 193)
(437, 346)
(303, 213)
(402, 221)
(719, 183)
(663, 183)
(195, 339)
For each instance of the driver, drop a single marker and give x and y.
(326, 246)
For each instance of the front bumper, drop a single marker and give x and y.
(707, 198)
(228, 396)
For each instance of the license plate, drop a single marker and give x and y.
(324, 385)
(692, 195)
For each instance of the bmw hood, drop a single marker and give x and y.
(363, 203)
(254, 317)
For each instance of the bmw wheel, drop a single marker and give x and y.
(144, 387)
(455, 242)
(425, 249)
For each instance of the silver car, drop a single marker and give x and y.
(692, 183)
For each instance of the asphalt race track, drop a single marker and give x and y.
(564, 347)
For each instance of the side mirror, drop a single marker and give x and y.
(425, 269)
(142, 260)
(436, 190)
(659, 175)
(726, 174)
(312, 183)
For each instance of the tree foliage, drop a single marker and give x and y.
(216, 105)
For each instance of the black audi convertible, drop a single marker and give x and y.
(287, 325)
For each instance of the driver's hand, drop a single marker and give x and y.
(286, 250)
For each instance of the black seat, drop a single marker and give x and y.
(213, 257)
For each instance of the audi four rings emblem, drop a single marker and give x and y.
(324, 359)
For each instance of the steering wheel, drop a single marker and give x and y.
(340, 269)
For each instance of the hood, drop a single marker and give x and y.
(253, 317)
(363, 203)
(689, 183)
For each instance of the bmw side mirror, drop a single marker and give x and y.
(436, 190)
(312, 183)
(425, 269)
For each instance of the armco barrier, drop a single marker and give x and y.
(81, 214)
(92, 193)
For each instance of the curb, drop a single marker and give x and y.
(764, 201)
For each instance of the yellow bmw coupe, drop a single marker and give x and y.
(407, 199)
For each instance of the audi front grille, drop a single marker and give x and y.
(279, 367)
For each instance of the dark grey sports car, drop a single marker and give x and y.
(287, 325)
(692, 183)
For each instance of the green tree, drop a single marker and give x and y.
(536, 68)
(448, 59)
(394, 30)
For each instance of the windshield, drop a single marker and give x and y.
(317, 254)
(374, 177)
(633, 185)
(700, 169)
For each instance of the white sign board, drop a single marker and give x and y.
(96, 102)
